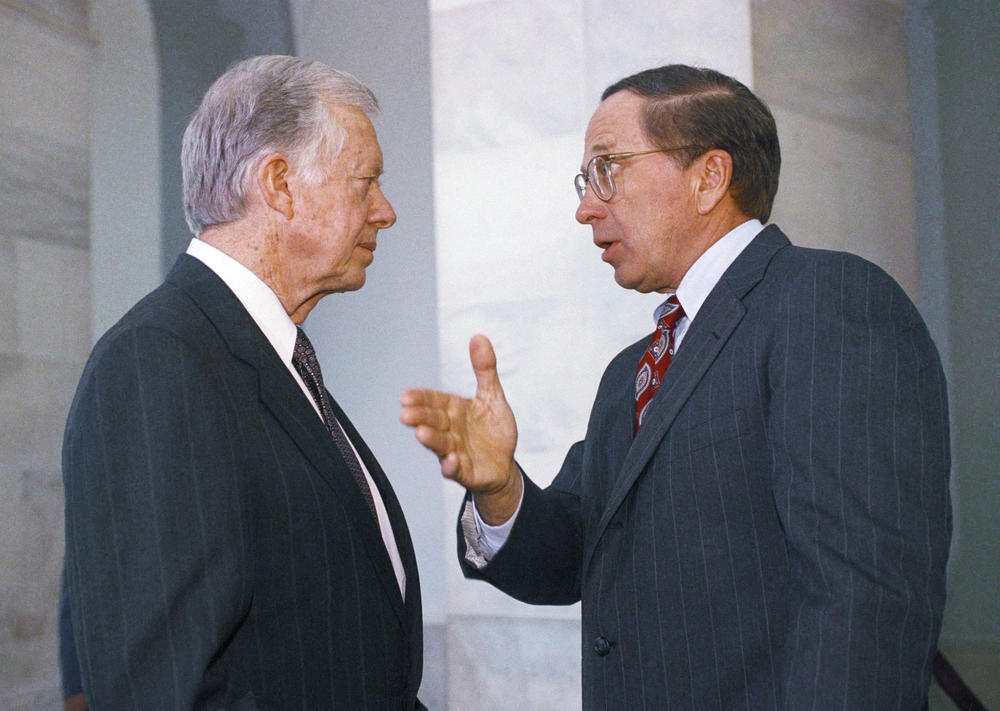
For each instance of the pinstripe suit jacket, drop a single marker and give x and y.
(775, 535)
(219, 552)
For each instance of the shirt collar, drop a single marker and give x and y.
(705, 273)
(257, 298)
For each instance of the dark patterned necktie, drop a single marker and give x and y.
(656, 359)
(305, 362)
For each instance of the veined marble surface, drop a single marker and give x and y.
(511, 664)
(44, 87)
(44, 323)
(46, 189)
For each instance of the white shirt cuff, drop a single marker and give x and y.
(482, 540)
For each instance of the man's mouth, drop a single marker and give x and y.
(608, 250)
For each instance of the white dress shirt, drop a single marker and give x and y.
(694, 288)
(267, 312)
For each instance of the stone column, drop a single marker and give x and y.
(44, 322)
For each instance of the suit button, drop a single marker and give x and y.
(602, 646)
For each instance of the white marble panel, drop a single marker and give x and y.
(506, 72)
(843, 190)
(34, 399)
(53, 304)
(840, 61)
(441, 5)
(650, 33)
(44, 80)
(65, 15)
(35, 395)
(503, 664)
(44, 695)
(47, 189)
(434, 683)
(31, 523)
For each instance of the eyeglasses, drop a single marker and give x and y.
(600, 172)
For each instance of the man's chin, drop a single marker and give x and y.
(351, 281)
(354, 283)
(356, 280)
(636, 283)
(626, 282)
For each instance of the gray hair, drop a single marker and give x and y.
(262, 105)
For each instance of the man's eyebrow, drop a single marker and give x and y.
(597, 149)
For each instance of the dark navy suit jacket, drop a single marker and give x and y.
(219, 552)
(775, 535)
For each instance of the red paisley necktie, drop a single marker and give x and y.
(656, 359)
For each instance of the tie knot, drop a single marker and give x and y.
(304, 360)
(671, 313)
(304, 351)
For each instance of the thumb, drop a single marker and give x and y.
(484, 365)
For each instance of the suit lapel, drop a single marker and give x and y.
(708, 333)
(279, 393)
(286, 401)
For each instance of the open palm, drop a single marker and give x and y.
(474, 438)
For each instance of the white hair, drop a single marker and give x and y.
(262, 105)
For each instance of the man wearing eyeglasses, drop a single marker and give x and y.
(758, 517)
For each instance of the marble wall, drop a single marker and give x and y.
(44, 321)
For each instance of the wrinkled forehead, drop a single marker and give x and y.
(616, 126)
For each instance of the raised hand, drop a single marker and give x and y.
(474, 439)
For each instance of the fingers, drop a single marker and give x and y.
(442, 444)
(450, 466)
(415, 415)
(484, 365)
(424, 397)
(439, 442)
(429, 413)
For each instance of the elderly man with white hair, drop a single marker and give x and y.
(231, 540)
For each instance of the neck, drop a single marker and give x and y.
(256, 247)
(722, 221)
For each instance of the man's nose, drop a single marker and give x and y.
(383, 215)
(591, 208)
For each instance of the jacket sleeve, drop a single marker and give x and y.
(858, 427)
(154, 527)
(540, 562)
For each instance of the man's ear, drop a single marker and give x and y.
(272, 181)
(714, 176)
